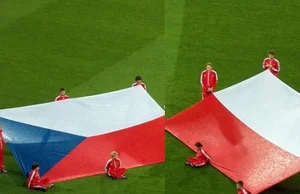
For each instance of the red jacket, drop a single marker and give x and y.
(112, 165)
(209, 79)
(242, 191)
(275, 65)
(142, 84)
(1, 141)
(33, 179)
(60, 97)
(201, 154)
(1, 150)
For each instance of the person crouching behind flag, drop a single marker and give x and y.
(201, 159)
(113, 167)
(2, 169)
(240, 188)
(35, 182)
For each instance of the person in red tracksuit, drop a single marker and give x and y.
(1, 151)
(113, 167)
(201, 159)
(240, 188)
(208, 80)
(272, 64)
(35, 182)
(138, 82)
(62, 95)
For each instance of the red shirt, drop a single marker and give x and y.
(1, 142)
(33, 179)
(242, 191)
(112, 164)
(142, 84)
(209, 79)
(275, 65)
(60, 97)
(201, 154)
(1, 150)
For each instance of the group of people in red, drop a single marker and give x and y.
(209, 77)
(63, 96)
(202, 158)
(209, 80)
(112, 167)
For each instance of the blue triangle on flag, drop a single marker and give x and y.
(30, 144)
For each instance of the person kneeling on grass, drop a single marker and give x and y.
(201, 159)
(112, 167)
(240, 188)
(35, 182)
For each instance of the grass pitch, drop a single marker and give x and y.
(91, 47)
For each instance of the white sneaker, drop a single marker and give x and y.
(3, 170)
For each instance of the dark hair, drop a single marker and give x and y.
(138, 78)
(62, 89)
(271, 52)
(240, 183)
(35, 165)
(198, 145)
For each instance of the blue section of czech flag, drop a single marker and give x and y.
(30, 144)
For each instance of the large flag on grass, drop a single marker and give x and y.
(74, 138)
(251, 130)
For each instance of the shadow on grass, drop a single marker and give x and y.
(283, 189)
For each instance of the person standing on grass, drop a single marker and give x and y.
(208, 80)
(240, 188)
(113, 167)
(35, 182)
(272, 64)
(138, 82)
(201, 159)
(2, 169)
(62, 95)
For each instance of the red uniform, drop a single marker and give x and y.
(242, 191)
(35, 182)
(275, 65)
(201, 158)
(1, 150)
(142, 84)
(208, 79)
(112, 168)
(60, 97)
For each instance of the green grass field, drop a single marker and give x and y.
(91, 47)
